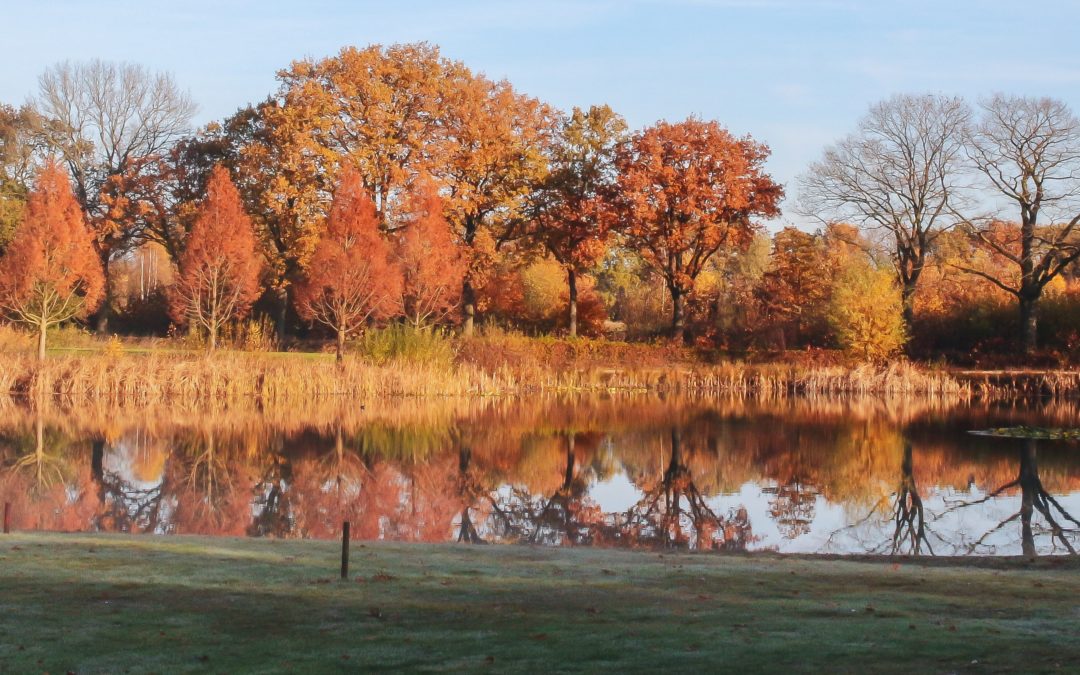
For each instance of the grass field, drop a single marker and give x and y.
(114, 603)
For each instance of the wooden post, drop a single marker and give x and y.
(345, 550)
(7, 517)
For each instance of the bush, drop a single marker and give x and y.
(866, 312)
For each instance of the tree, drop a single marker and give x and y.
(432, 263)
(796, 286)
(351, 278)
(219, 269)
(496, 156)
(866, 312)
(573, 215)
(686, 190)
(19, 129)
(1028, 149)
(899, 175)
(103, 119)
(49, 272)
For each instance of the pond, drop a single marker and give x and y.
(832, 475)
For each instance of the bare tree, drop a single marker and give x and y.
(1029, 151)
(104, 120)
(899, 175)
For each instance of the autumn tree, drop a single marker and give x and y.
(797, 283)
(1028, 150)
(686, 190)
(219, 270)
(19, 133)
(573, 215)
(351, 278)
(865, 312)
(496, 156)
(432, 263)
(899, 175)
(104, 119)
(49, 272)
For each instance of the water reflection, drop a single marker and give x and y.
(896, 477)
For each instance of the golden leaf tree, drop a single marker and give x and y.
(50, 272)
(866, 312)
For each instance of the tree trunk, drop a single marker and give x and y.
(283, 316)
(340, 346)
(907, 295)
(678, 326)
(1029, 322)
(571, 280)
(211, 342)
(41, 340)
(468, 308)
(101, 318)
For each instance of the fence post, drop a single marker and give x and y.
(345, 550)
(7, 517)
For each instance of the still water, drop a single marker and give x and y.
(892, 476)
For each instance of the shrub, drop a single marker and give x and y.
(866, 312)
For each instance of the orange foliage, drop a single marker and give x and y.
(351, 278)
(219, 268)
(432, 263)
(687, 190)
(50, 272)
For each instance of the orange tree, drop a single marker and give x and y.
(219, 269)
(432, 263)
(572, 213)
(686, 190)
(50, 272)
(351, 277)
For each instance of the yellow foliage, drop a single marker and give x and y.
(865, 312)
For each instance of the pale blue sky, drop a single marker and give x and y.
(796, 75)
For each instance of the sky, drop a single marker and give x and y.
(795, 74)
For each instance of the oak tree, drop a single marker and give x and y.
(686, 190)
(572, 207)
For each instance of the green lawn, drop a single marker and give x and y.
(113, 603)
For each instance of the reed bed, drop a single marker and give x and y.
(150, 378)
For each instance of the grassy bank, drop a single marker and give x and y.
(95, 603)
(480, 369)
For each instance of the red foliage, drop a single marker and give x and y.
(432, 264)
(219, 268)
(351, 277)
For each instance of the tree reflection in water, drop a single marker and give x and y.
(1033, 498)
(634, 473)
